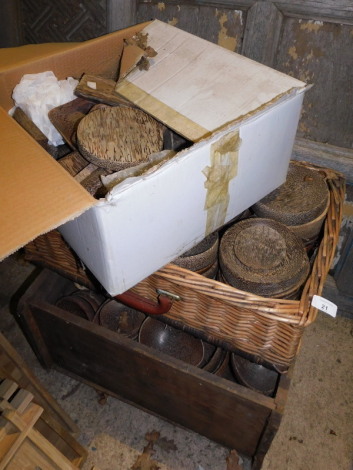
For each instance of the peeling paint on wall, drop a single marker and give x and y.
(292, 51)
(228, 42)
(173, 22)
(311, 26)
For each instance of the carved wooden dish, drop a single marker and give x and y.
(264, 257)
(301, 199)
(67, 116)
(201, 257)
(119, 137)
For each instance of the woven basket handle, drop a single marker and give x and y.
(163, 304)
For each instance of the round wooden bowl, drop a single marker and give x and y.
(119, 137)
(120, 318)
(95, 299)
(301, 199)
(263, 257)
(171, 341)
(202, 257)
(76, 305)
(254, 376)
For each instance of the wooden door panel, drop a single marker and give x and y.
(330, 10)
(223, 26)
(62, 20)
(321, 53)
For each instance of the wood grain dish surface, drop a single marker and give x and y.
(119, 137)
(263, 256)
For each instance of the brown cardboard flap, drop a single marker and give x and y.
(14, 56)
(36, 193)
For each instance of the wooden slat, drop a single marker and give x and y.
(262, 32)
(328, 10)
(103, 93)
(7, 388)
(11, 365)
(24, 424)
(325, 155)
(120, 14)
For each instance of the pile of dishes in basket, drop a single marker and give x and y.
(266, 251)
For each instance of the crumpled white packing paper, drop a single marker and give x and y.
(38, 93)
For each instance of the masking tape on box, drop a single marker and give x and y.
(224, 167)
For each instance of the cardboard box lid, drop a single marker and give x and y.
(36, 193)
(197, 87)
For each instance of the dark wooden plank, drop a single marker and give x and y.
(262, 32)
(329, 10)
(103, 93)
(219, 409)
(329, 156)
(120, 14)
(321, 54)
(343, 302)
(63, 21)
(274, 420)
(223, 26)
(344, 269)
(211, 3)
(10, 31)
(28, 125)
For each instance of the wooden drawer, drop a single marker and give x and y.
(219, 409)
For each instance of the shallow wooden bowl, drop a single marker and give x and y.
(120, 318)
(171, 341)
(76, 305)
(254, 376)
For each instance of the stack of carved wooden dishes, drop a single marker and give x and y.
(254, 376)
(264, 257)
(172, 341)
(82, 303)
(301, 203)
(117, 137)
(120, 318)
(213, 357)
(202, 258)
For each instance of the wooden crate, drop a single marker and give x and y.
(29, 442)
(219, 409)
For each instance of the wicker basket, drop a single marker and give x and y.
(267, 330)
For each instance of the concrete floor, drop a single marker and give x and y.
(316, 432)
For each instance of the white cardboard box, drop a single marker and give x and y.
(241, 115)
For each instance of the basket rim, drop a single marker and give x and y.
(295, 312)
